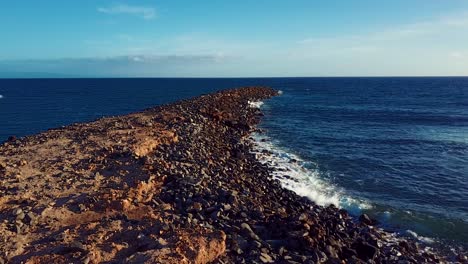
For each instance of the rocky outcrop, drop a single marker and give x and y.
(172, 184)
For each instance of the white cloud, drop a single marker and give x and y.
(443, 36)
(456, 55)
(144, 65)
(457, 21)
(141, 11)
(454, 23)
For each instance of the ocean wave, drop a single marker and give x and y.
(423, 239)
(291, 171)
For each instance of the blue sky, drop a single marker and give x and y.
(234, 38)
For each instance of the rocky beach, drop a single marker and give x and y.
(178, 183)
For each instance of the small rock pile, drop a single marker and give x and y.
(172, 184)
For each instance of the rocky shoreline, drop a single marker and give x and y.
(172, 184)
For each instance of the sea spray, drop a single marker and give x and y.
(294, 175)
(255, 104)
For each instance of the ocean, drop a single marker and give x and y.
(393, 148)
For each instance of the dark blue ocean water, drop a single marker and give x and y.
(396, 148)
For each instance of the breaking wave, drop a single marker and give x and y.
(294, 175)
(255, 104)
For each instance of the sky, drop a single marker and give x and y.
(243, 38)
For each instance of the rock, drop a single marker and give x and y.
(235, 247)
(214, 215)
(462, 258)
(227, 207)
(265, 258)
(404, 245)
(281, 251)
(82, 207)
(75, 245)
(18, 229)
(17, 211)
(20, 216)
(249, 231)
(256, 244)
(86, 260)
(366, 251)
(348, 253)
(303, 217)
(197, 206)
(331, 252)
(197, 249)
(365, 219)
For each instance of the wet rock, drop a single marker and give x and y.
(365, 219)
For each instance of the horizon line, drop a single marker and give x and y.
(240, 77)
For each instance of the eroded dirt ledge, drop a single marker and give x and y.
(172, 184)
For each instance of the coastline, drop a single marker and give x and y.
(175, 184)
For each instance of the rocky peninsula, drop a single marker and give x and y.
(177, 183)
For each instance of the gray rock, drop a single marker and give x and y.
(303, 217)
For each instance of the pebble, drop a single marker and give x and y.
(17, 211)
(265, 258)
(20, 216)
(303, 217)
(86, 260)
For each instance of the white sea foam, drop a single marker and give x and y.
(1, 96)
(255, 104)
(423, 239)
(293, 175)
(280, 92)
